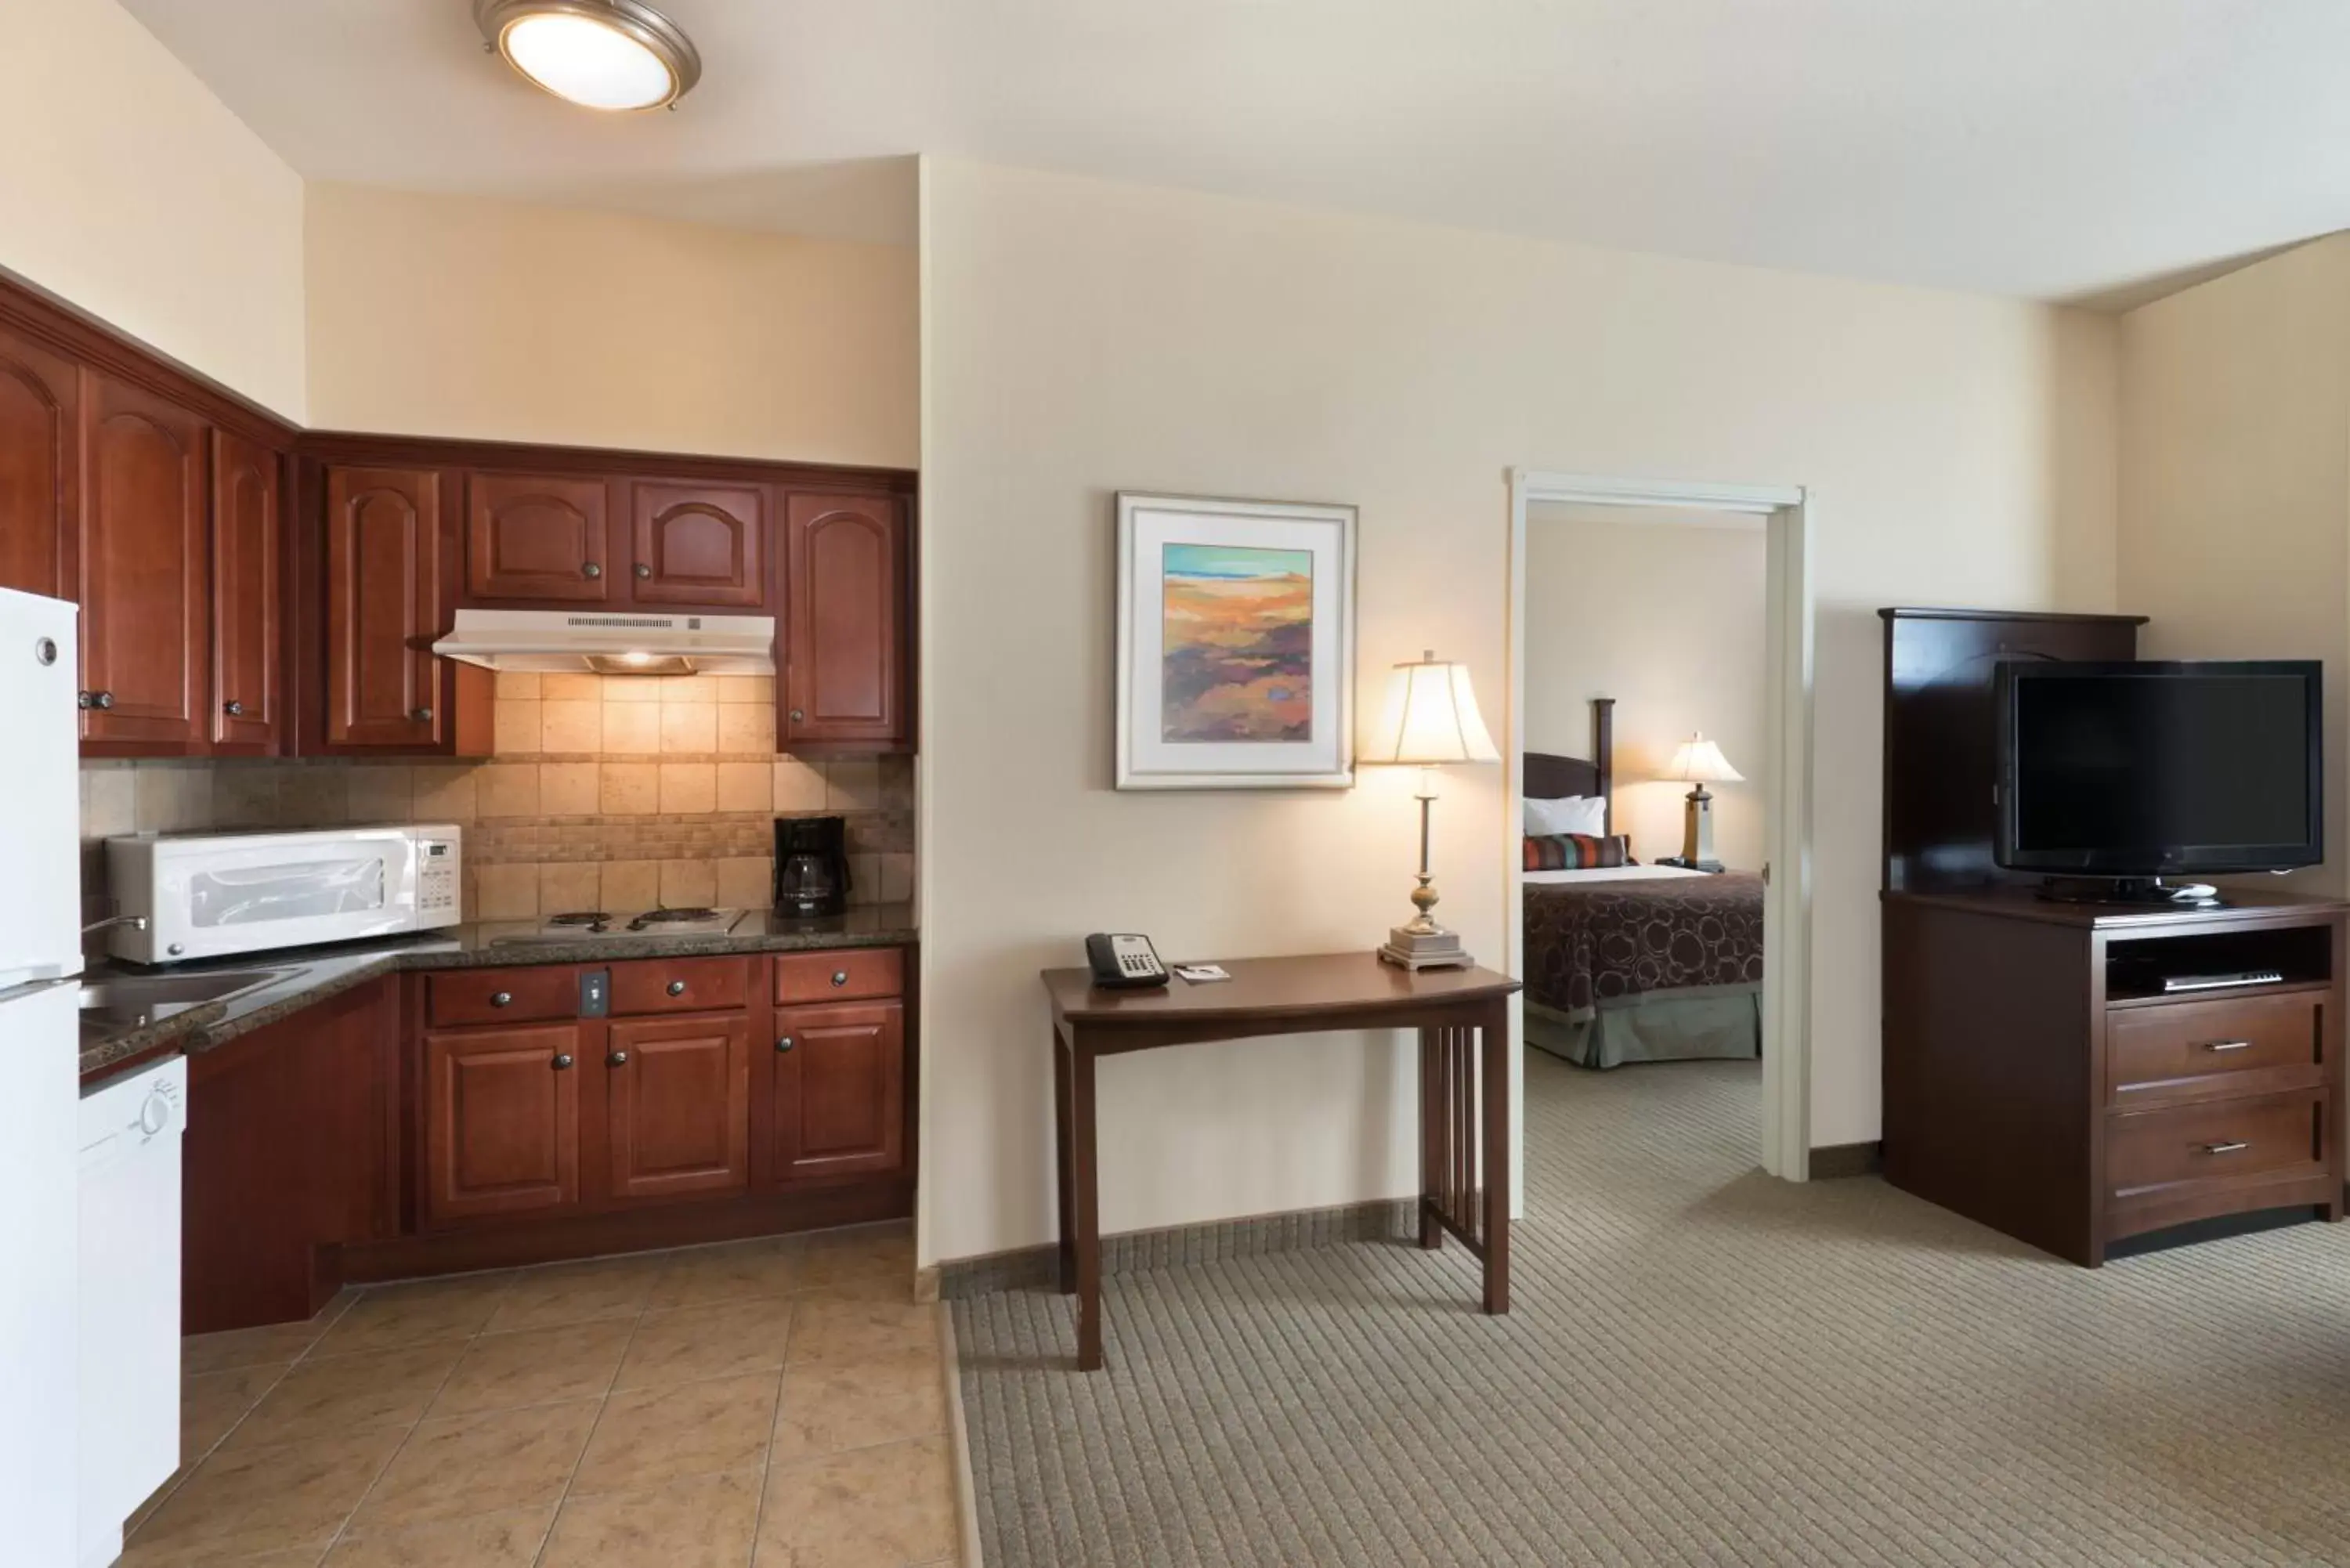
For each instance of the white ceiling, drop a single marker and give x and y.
(2056, 149)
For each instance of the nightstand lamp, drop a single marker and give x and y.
(1699, 761)
(1431, 719)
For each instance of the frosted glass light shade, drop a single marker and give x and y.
(1431, 717)
(1700, 761)
(599, 54)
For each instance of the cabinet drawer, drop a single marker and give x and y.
(2154, 1151)
(502, 995)
(855, 974)
(681, 985)
(2194, 1049)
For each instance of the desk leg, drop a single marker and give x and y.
(1063, 1161)
(1495, 1032)
(1086, 1216)
(1431, 1137)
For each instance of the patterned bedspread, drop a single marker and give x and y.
(1587, 944)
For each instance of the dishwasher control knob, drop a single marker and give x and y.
(155, 1115)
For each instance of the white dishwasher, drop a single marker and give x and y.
(129, 1314)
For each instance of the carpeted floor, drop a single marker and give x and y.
(1703, 1365)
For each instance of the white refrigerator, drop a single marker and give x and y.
(41, 956)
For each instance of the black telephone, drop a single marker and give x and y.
(1123, 961)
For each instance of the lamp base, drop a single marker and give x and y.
(1439, 948)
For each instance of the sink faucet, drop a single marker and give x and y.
(136, 922)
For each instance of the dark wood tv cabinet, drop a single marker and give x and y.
(2039, 1080)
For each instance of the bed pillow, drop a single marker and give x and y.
(1577, 851)
(1585, 813)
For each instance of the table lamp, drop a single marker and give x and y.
(1699, 761)
(1431, 719)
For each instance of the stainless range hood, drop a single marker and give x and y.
(612, 642)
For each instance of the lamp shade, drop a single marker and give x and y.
(1431, 717)
(1700, 761)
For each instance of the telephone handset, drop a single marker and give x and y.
(1124, 961)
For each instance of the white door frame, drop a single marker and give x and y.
(1787, 775)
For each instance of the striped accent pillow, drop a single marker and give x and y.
(1577, 851)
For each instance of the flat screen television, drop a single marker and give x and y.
(2155, 768)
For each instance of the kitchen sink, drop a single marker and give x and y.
(133, 1000)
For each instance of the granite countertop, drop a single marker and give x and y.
(311, 975)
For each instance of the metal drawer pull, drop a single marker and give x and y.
(644, 572)
(2236, 1146)
(784, 1044)
(422, 715)
(591, 571)
(233, 709)
(840, 977)
(677, 988)
(2227, 1045)
(561, 1060)
(617, 1059)
(501, 998)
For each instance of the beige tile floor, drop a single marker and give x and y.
(769, 1404)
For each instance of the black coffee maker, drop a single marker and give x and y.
(811, 866)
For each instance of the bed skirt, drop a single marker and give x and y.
(1707, 1022)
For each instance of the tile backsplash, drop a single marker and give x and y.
(605, 791)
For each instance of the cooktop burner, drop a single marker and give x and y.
(592, 919)
(650, 926)
(688, 916)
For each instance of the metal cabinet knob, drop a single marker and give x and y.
(799, 717)
(233, 709)
(422, 715)
(97, 699)
(784, 1044)
(561, 1060)
(500, 998)
(840, 977)
(677, 988)
(643, 571)
(591, 571)
(617, 1059)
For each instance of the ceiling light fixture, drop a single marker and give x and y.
(600, 53)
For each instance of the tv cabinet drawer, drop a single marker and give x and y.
(2192, 1049)
(2155, 1153)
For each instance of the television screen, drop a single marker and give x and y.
(2136, 770)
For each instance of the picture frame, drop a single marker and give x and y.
(1235, 643)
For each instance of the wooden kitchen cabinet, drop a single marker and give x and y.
(501, 1113)
(145, 569)
(839, 1090)
(535, 538)
(847, 565)
(383, 605)
(698, 545)
(247, 695)
(677, 1106)
(40, 468)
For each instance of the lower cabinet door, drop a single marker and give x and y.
(679, 1106)
(840, 1095)
(501, 1122)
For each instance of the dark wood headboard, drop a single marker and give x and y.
(1548, 778)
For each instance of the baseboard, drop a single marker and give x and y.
(1837, 1159)
(1131, 1251)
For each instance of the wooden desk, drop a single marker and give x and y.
(1299, 996)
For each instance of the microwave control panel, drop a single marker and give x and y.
(436, 880)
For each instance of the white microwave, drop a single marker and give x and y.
(209, 895)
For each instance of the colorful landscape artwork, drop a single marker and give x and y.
(1238, 649)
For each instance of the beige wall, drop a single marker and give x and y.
(2235, 483)
(1665, 614)
(498, 321)
(1082, 337)
(128, 189)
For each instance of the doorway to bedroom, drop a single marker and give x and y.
(1658, 716)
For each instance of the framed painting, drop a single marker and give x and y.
(1235, 644)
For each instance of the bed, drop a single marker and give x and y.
(1631, 962)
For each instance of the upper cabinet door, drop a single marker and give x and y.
(145, 555)
(534, 537)
(40, 478)
(383, 571)
(845, 624)
(699, 545)
(247, 492)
